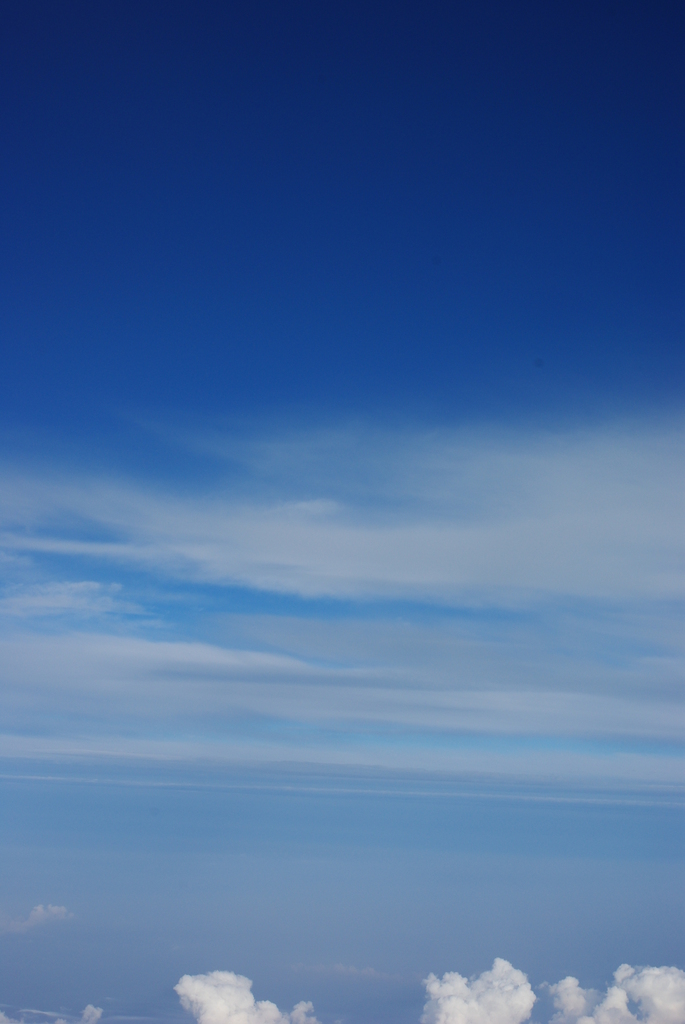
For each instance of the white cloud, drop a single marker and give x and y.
(39, 915)
(500, 996)
(658, 992)
(91, 1015)
(222, 997)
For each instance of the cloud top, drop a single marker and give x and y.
(222, 997)
(502, 995)
(91, 1015)
(658, 992)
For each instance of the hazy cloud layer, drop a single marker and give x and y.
(126, 694)
(39, 915)
(117, 677)
(431, 516)
(556, 554)
(502, 995)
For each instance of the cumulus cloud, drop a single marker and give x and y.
(222, 997)
(502, 995)
(657, 992)
(38, 916)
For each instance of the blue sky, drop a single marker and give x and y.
(341, 512)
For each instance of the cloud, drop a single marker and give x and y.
(222, 997)
(436, 516)
(658, 992)
(39, 915)
(478, 707)
(500, 996)
(484, 693)
(535, 573)
(90, 1015)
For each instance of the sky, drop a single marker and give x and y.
(341, 504)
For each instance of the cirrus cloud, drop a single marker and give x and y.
(90, 1015)
(425, 515)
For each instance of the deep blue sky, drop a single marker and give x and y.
(341, 462)
(340, 207)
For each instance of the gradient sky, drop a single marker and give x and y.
(340, 500)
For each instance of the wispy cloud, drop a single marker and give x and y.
(254, 705)
(593, 513)
(40, 915)
(90, 1015)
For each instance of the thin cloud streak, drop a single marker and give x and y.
(602, 775)
(90, 1015)
(83, 598)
